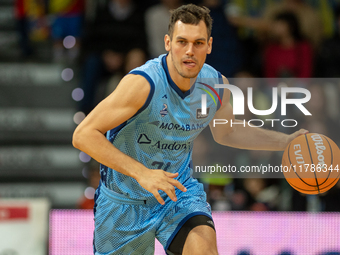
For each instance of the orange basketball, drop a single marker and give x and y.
(311, 163)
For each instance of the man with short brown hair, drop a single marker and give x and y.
(151, 121)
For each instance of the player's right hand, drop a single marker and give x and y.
(155, 180)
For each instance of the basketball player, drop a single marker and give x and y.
(146, 189)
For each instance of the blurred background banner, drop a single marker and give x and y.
(24, 226)
(255, 233)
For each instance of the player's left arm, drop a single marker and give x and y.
(246, 137)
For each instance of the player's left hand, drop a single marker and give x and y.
(292, 136)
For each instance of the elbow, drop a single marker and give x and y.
(76, 139)
(221, 141)
(75, 142)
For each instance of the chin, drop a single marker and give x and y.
(191, 74)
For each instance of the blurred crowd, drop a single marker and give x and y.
(253, 39)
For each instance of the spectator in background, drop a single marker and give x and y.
(262, 195)
(248, 19)
(117, 29)
(328, 60)
(238, 10)
(31, 23)
(227, 53)
(325, 11)
(288, 54)
(156, 22)
(20, 14)
(255, 194)
(68, 21)
(133, 59)
(309, 20)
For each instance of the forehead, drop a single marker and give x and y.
(190, 31)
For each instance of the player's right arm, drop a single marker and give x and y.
(89, 137)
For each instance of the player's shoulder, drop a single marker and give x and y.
(132, 91)
(132, 84)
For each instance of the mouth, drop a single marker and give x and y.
(189, 63)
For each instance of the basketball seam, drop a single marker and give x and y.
(311, 158)
(296, 173)
(324, 188)
(298, 188)
(330, 147)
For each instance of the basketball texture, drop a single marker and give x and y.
(311, 163)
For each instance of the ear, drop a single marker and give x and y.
(167, 42)
(210, 45)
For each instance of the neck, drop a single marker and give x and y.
(184, 84)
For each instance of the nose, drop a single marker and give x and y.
(190, 49)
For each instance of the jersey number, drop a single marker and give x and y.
(160, 165)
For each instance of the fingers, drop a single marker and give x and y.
(167, 185)
(171, 175)
(301, 132)
(158, 197)
(178, 185)
(175, 182)
(170, 191)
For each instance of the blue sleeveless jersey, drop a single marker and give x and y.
(161, 134)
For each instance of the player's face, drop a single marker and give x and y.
(188, 48)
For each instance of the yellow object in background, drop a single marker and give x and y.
(58, 6)
(327, 18)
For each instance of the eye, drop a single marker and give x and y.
(199, 43)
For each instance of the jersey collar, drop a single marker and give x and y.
(172, 83)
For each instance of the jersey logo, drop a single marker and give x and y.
(175, 146)
(171, 146)
(208, 92)
(143, 139)
(156, 123)
(164, 111)
(211, 223)
(180, 127)
(199, 114)
(165, 96)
